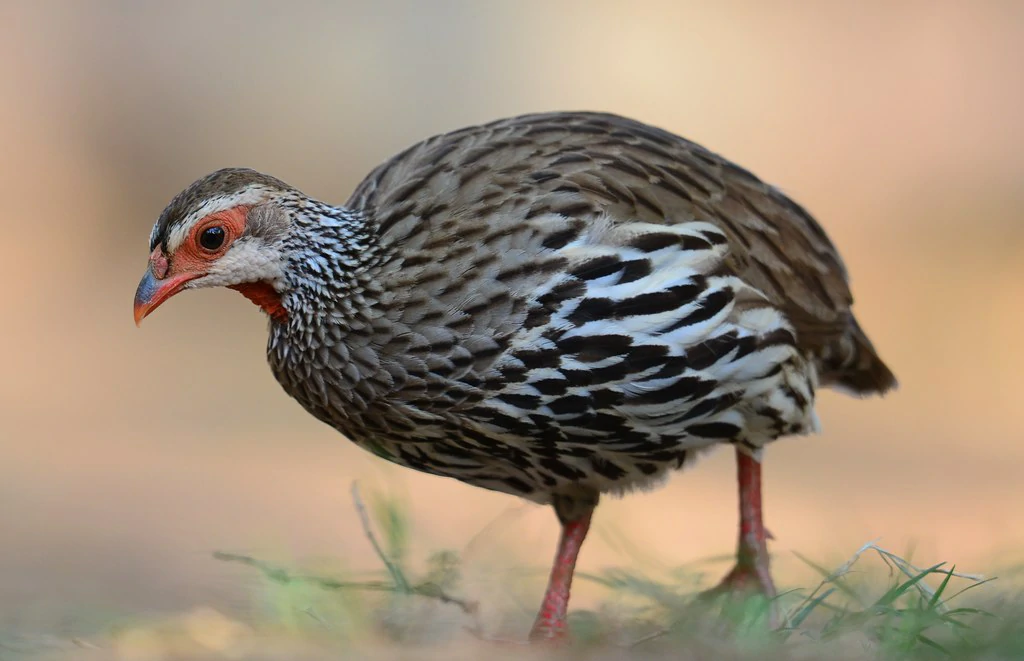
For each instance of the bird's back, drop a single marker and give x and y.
(586, 168)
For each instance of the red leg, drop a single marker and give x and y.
(550, 622)
(751, 571)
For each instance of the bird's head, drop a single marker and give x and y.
(225, 230)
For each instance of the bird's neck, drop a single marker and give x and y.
(332, 299)
(331, 253)
(331, 280)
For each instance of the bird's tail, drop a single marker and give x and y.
(859, 369)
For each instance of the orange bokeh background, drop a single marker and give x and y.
(127, 455)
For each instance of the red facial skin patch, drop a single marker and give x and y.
(192, 260)
(190, 257)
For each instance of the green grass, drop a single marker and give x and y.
(876, 605)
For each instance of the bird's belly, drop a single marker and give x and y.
(535, 467)
(534, 454)
(610, 437)
(533, 448)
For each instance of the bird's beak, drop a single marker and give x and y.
(153, 291)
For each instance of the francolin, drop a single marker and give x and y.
(553, 306)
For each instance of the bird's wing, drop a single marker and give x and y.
(589, 166)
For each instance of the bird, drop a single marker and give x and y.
(556, 306)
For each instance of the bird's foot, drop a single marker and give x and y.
(549, 631)
(743, 579)
(746, 580)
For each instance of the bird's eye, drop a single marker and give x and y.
(212, 238)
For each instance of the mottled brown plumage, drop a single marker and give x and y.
(583, 164)
(553, 306)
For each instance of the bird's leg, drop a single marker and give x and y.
(751, 572)
(574, 513)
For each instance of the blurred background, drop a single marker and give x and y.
(127, 456)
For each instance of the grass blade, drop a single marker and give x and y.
(802, 614)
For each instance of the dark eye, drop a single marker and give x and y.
(212, 238)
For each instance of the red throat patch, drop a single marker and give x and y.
(266, 297)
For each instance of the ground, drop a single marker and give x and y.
(876, 605)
